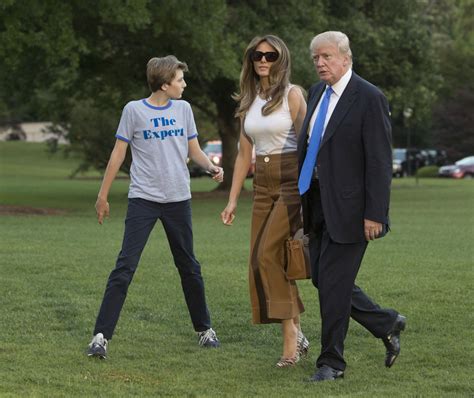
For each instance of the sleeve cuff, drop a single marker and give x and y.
(119, 137)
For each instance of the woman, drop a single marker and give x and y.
(271, 111)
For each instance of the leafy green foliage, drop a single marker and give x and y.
(453, 120)
(89, 134)
(392, 49)
(427, 172)
(454, 123)
(60, 56)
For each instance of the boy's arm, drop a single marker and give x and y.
(201, 159)
(116, 159)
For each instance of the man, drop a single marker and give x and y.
(345, 163)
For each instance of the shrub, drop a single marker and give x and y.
(427, 172)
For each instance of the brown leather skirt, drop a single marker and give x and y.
(276, 215)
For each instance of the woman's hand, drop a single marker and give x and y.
(227, 215)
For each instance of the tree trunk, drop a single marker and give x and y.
(228, 127)
(229, 133)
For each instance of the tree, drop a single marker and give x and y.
(393, 49)
(40, 58)
(452, 114)
(113, 41)
(79, 62)
(454, 124)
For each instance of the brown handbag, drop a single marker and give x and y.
(298, 265)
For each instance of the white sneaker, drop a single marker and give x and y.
(98, 347)
(208, 339)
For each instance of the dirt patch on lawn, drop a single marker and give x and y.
(6, 210)
(27, 211)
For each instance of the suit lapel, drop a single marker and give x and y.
(343, 105)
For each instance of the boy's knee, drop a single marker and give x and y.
(189, 269)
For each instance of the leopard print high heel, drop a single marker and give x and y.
(302, 346)
(287, 362)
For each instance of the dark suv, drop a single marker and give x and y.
(434, 157)
(406, 162)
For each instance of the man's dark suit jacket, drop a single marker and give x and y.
(354, 160)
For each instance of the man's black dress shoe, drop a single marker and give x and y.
(325, 372)
(392, 340)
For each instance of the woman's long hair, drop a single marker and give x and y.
(279, 77)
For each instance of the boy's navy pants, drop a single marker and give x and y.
(141, 218)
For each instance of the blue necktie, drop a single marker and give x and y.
(310, 160)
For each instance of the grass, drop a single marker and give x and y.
(54, 270)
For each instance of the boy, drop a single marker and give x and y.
(162, 133)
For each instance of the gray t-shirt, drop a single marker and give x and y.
(158, 138)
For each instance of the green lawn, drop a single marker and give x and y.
(54, 270)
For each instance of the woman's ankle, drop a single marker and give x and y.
(290, 340)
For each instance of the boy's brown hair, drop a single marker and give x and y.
(163, 70)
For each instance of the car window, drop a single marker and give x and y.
(466, 161)
(212, 148)
(399, 154)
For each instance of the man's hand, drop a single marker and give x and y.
(102, 209)
(372, 229)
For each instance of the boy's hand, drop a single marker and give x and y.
(217, 173)
(102, 209)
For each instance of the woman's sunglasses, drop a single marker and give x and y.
(270, 56)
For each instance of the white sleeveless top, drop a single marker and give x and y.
(274, 133)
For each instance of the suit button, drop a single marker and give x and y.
(266, 159)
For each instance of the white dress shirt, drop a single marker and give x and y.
(338, 88)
